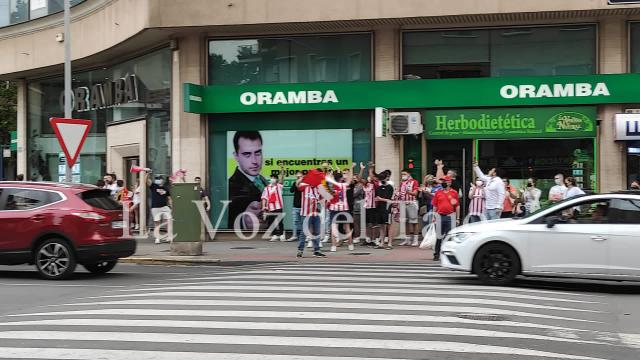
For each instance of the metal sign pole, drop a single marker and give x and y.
(67, 74)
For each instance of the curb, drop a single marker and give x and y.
(169, 260)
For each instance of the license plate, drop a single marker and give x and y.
(117, 224)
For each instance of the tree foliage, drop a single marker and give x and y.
(8, 101)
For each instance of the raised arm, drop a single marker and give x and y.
(480, 174)
(440, 169)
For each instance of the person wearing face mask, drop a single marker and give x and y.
(494, 190)
(160, 204)
(531, 197)
(446, 205)
(408, 195)
(339, 212)
(272, 205)
(559, 190)
(478, 204)
(297, 205)
(384, 196)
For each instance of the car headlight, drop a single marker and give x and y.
(459, 237)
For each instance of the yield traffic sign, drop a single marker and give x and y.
(71, 134)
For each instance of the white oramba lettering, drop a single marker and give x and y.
(264, 98)
(583, 89)
(544, 91)
(297, 97)
(509, 91)
(248, 98)
(527, 91)
(562, 90)
(279, 98)
(601, 89)
(314, 97)
(330, 96)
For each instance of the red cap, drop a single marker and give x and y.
(446, 178)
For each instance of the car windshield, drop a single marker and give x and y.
(548, 205)
(100, 199)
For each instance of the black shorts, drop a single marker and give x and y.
(371, 215)
(382, 216)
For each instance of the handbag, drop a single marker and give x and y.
(430, 237)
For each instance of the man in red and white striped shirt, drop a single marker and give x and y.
(478, 205)
(339, 211)
(311, 219)
(272, 206)
(369, 185)
(407, 195)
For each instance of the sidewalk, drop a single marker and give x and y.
(227, 252)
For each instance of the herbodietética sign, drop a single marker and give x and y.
(440, 93)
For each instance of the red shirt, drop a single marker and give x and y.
(310, 200)
(272, 195)
(339, 201)
(446, 201)
(409, 185)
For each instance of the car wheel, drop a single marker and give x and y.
(55, 260)
(101, 267)
(496, 264)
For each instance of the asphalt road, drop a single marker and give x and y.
(312, 312)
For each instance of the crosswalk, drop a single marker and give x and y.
(319, 311)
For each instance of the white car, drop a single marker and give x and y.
(590, 237)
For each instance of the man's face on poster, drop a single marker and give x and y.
(249, 156)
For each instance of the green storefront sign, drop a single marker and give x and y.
(14, 141)
(504, 123)
(439, 93)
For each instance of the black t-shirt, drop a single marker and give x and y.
(159, 195)
(350, 199)
(385, 191)
(297, 196)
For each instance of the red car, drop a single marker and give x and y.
(57, 226)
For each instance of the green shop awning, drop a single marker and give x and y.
(404, 94)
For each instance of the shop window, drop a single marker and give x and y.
(541, 159)
(635, 47)
(150, 76)
(526, 51)
(299, 59)
(17, 11)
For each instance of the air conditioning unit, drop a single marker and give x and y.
(405, 123)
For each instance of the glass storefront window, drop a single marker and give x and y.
(151, 75)
(634, 50)
(17, 11)
(522, 51)
(541, 159)
(300, 59)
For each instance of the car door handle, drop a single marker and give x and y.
(37, 218)
(598, 238)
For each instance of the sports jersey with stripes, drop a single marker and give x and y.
(407, 186)
(478, 202)
(272, 195)
(339, 201)
(310, 199)
(370, 195)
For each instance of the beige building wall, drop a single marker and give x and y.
(188, 132)
(387, 67)
(125, 140)
(613, 46)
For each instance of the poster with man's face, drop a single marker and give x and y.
(254, 156)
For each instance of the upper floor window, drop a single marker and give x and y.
(295, 59)
(521, 51)
(17, 11)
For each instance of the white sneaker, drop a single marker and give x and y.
(293, 238)
(136, 227)
(274, 238)
(326, 239)
(333, 248)
(320, 243)
(283, 238)
(351, 247)
(377, 242)
(356, 240)
(406, 242)
(157, 241)
(415, 242)
(310, 244)
(386, 240)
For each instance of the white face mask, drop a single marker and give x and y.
(405, 177)
(479, 183)
(272, 181)
(157, 182)
(559, 182)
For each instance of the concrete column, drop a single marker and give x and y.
(22, 155)
(387, 67)
(187, 130)
(612, 60)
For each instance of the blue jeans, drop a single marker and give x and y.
(493, 214)
(297, 223)
(310, 226)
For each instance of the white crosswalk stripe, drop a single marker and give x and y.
(315, 312)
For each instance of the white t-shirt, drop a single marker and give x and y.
(574, 191)
(557, 192)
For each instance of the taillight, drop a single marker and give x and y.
(89, 216)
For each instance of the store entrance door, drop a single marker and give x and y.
(457, 155)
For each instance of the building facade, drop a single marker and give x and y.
(532, 87)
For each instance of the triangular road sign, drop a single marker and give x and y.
(71, 134)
